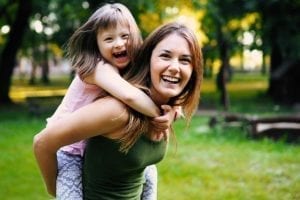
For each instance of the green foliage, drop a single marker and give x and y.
(279, 28)
(59, 17)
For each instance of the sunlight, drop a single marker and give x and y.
(5, 29)
(85, 5)
(37, 26)
(20, 96)
(253, 59)
(191, 19)
(171, 10)
(248, 38)
(185, 15)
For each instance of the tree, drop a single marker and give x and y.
(8, 56)
(281, 36)
(222, 37)
(51, 24)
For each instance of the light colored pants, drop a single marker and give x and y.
(69, 178)
(150, 185)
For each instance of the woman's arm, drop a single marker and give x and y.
(102, 117)
(107, 77)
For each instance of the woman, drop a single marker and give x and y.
(112, 36)
(122, 144)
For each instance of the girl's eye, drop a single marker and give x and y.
(108, 39)
(125, 36)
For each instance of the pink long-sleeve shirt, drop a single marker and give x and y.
(78, 95)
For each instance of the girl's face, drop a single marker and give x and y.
(170, 68)
(112, 44)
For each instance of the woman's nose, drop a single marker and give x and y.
(174, 65)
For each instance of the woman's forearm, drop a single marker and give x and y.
(47, 163)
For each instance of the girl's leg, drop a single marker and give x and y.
(69, 181)
(150, 185)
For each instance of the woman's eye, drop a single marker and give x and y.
(185, 61)
(165, 56)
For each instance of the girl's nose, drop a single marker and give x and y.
(119, 42)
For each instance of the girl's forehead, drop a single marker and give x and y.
(112, 21)
(113, 27)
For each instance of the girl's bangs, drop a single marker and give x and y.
(111, 21)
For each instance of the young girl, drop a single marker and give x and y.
(100, 50)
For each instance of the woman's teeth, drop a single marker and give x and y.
(170, 79)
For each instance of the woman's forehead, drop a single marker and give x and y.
(174, 42)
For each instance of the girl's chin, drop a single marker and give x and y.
(121, 66)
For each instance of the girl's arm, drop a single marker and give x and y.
(107, 77)
(102, 117)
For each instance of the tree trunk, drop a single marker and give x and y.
(282, 38)
(8, 56)
(45, 65)
(224, 73)
(276, 60)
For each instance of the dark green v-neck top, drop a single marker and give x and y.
(112, 175)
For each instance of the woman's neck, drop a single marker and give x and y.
(158, 99)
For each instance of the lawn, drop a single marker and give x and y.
(202, 163)
(225, 164)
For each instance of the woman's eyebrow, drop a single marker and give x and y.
(165, 51)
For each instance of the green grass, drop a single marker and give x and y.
(203, 163)
(216, 164)
(19, 175)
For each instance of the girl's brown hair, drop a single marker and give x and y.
(82, 48)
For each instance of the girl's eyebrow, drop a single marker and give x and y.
(187, 56)
(106, 34)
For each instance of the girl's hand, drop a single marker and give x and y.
(161, 124)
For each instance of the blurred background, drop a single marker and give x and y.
(243, 142)
(245, 37)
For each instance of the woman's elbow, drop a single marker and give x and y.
(37, 142)
(40, 143)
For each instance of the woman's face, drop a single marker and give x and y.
(170, 67)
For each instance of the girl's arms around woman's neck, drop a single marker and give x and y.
(108, 78)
